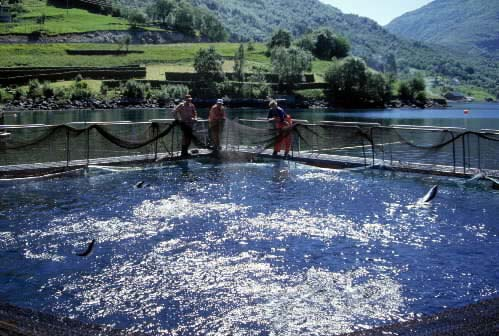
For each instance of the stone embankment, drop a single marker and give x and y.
(51, 104)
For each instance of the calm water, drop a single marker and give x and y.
(257, 248)
(482, 115)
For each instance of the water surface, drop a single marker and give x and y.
(481, 115)
(251, 248)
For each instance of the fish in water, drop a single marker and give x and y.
(495, 182)
(477, 177)
(89, 249)
(140, 184)
(430, 194)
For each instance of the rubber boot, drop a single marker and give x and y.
(185, 152)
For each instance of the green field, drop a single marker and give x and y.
(55, 54)
(158, 58)
(61, 20)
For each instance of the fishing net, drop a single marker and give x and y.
(430, 148)
(480, 319)
(411, 145)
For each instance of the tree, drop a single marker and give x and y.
(351, 83)
(413, 90)
(212, 28)
(417, 84)
(405, 92)
(290, 63)
(327, 45)
(390, 64)
(163, 9)
(184, 19)
(208, 64)
(240, 64)
(324, 45)
(136, 18)
(281, 38)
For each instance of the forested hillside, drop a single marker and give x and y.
(470, 26)
(256, 20)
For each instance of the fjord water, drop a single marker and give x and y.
(247, 248)
(480, 116)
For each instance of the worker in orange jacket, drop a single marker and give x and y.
(282, 123)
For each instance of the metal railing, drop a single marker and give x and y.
(439, 149)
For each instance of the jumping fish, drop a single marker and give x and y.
(140, 184)
(495, 182)
(88, 250)
(430, 194)
(477, 177)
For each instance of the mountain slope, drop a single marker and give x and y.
(468, 25)
(258, 19)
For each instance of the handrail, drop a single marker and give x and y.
(25, 126)
(489, 131)
(351, 123)
(450, 128)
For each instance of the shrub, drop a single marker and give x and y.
(421, 97)
(59, 94)
(80, 91)
(244, 90)
(35, 89)
(47, 90)
(136, 90)
(5, 96)
(171, 92)
(104, 89)
(19, 94)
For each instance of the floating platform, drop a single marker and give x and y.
(242, 154)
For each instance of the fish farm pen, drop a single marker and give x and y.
(28, 150)
(239, 241)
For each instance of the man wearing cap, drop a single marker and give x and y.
(216, 120)
(282, 123)
(186, 114)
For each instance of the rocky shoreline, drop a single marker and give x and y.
(50, 104)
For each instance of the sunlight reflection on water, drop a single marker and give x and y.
(248, 249)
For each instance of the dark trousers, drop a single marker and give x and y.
(187, 134)
(216, 128)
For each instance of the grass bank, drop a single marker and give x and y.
(157, 58)
(60, 20)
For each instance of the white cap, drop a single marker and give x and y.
(220, 101)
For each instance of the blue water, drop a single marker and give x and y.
(251, 248)
(481, 115)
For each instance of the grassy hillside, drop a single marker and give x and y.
(51, 54)
(467, 25)
(158, 58)
(59, 20)
(260, 18)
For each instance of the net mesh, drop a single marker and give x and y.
(448, 149)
